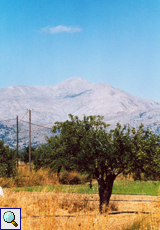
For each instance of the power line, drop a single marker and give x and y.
(37, 125)
(25, 114)
(8, 120)
(27, 122)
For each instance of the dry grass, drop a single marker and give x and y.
(24, 178)
(76, 211)
(72, 178)
(41, 177)
(39, 210)
(127, 177)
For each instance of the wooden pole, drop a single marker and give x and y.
(29, 140)
(17, 141)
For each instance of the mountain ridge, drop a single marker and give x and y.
(78, 97)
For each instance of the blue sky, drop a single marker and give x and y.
(44, 42)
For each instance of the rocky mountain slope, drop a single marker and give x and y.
(77, 96)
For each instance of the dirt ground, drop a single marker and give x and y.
(46, 210)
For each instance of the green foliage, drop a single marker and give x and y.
(85, 144)
(145, 154)
(25, 154)
(7, 161)
(41, 157)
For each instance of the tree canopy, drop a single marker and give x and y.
(7, 161)
(24, 154)
(88, 146)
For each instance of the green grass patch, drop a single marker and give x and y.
(119, 187)
(137, 187)
(82, 188)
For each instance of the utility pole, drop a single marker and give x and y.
(29, 140)
(17, 141)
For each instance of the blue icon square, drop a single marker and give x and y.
(10, 218)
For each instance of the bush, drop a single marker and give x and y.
(24, 154)
(71, 178)
(24, 179)
(7, 161)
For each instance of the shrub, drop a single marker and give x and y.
(7, 161)
(71, 178)
(24, 178)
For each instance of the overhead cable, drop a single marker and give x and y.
(8, 120)
(37, 125)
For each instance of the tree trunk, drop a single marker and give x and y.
(105, 190)
(58, 172)
(90, 183)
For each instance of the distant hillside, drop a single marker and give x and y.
(76, 96)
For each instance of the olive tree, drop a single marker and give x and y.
(87, 146)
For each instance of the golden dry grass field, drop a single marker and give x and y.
(67, 211)
(47, 210)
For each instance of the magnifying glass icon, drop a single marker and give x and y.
(9, 217)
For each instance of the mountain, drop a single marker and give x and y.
(76, 96)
